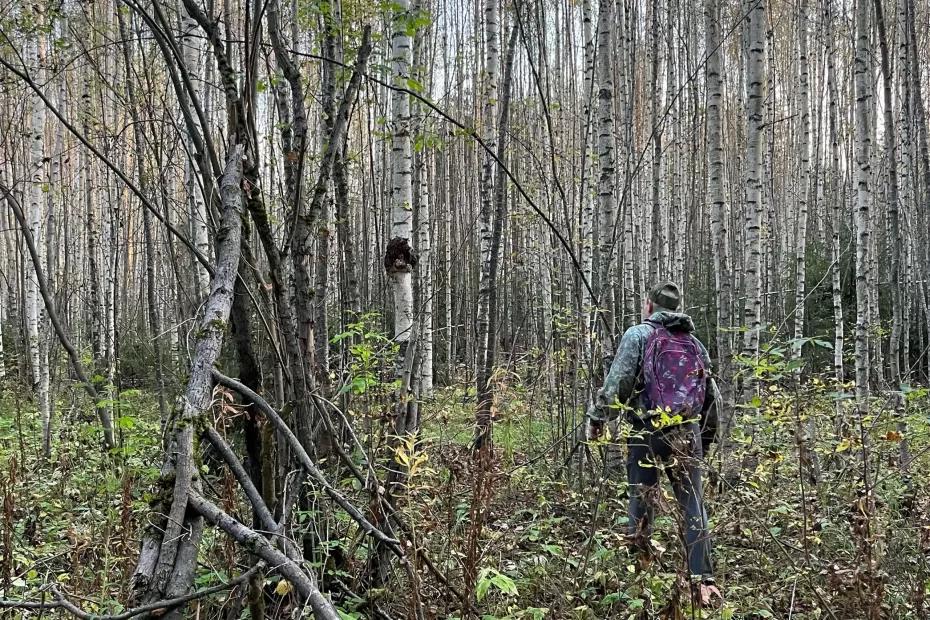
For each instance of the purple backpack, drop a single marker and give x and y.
(674, 374)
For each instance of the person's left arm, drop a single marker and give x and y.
(621, 379)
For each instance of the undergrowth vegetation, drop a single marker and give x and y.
(816, 512)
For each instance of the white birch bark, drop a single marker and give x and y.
(587, 210)
(863, 177)
(492, 66)
(719, 212)
(191, 42)
(606, 209)
(400, 267)
(659, 243)
(837, 199)
(906, 175)
(36, 198)
(755, 80)
(800, 247)
(424, 240)
(425, 277)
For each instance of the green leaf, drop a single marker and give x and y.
(125, 422)
(504, 583)
(414, 85)
(482, 589)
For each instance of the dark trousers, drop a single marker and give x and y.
(679, 449)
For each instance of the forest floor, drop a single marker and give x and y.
(551, 542)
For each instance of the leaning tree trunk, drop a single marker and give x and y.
(168, 559)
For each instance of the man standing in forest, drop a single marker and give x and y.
(661, 380)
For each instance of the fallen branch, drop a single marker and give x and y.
(255, 543)
(307, 463)
(152, 610)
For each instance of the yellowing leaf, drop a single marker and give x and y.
(283, 587)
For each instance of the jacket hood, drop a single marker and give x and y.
(673, 321)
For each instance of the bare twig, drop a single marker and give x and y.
(152, 610)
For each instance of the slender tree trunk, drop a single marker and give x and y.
(606, 207)
(895, 243)
(424, 243)
(752, 276)
(587, 203)
(400, 259)
(659, 243)
(332, 48)
(36, 191)
(863, 146)
(192, 55)
(804, 183)
(838, 199)
(483, 318)
(719, 212)
(147, 231)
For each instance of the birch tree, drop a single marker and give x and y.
(400, 258)
(606, 209)
(36, 190)
(863, 176)
(716, 196)
(492, 63)
(752, 214)
(804, 181)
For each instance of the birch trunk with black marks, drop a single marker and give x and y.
(489, 173)
(400, 259)
(837, 200)
(863, 176)
(804, 183)
(606, 204)
(752, 183)
(36, 190)
(719, 214)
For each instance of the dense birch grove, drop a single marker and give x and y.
(316, 295)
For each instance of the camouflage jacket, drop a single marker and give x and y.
(624, 380)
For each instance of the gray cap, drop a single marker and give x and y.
(666, 295)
